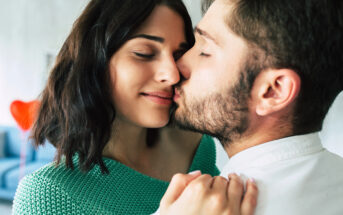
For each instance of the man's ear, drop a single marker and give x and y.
(275, 89)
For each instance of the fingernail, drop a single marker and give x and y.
(232, 175)
(196, 172)
(237, 177)
(251, 180)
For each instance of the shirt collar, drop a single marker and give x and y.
(273, 151)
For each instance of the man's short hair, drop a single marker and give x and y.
(303, 35)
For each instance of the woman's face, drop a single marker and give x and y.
(143, 71)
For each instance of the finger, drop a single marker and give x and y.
(218, 197)
(199, 186)
(250, 198)
(235, 193)
(177, 185)
(220, 185)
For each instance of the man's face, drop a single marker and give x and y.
(213, 97)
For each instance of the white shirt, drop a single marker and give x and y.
(294, 175)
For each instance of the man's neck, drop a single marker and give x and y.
(254, 137)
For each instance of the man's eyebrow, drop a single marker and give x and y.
(204, 34)
(149, 37)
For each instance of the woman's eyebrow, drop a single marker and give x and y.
(184, 45)
(149, 37)
(157, 39)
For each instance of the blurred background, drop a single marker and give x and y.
(31, 34)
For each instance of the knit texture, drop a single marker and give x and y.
(59, 190)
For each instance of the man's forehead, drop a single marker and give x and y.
(213, 24)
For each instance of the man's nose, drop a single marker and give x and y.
(182, 65)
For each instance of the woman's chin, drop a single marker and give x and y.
(156, 123)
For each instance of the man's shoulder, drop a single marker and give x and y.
(314, 179)
(331, 158)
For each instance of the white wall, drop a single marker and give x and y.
(32, 29)
(194, 9)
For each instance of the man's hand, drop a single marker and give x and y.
(204, 194)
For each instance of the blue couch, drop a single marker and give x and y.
(10, 160)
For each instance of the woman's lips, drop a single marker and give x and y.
(162, 98)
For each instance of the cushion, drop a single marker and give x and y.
(7, 164)
(2, 144)
(14, 139)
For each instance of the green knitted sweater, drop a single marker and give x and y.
(58, 190)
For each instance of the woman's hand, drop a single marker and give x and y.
(204, 194)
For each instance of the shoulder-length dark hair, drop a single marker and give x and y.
(77, 113)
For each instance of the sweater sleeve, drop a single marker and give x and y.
(37, 195)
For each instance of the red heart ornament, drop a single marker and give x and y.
(24, 113)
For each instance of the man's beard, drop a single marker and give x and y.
(221, 115)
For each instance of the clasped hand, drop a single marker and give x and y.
(203, 194)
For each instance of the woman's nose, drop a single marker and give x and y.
(168, 72)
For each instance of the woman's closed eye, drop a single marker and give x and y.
(146, 56)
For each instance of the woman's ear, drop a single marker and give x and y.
(274, 90)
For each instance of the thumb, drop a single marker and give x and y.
(178, 183)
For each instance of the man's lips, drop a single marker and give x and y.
(163, 98)
(176, 94)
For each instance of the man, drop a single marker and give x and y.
(261, 78)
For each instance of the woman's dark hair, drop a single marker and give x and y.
(77, 112)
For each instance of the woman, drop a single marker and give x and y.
(109, 92)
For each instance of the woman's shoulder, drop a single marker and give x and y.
(38, 193)
(207, 139)
(207, 146)
(50, 173)
(32, 186)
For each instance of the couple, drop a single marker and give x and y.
(261, 77)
